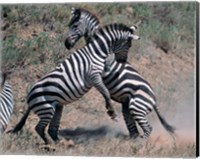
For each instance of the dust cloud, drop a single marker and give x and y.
(183, 115)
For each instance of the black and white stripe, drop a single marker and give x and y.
(73, 78)
(125, 84)
(6, 103)
(79, 28)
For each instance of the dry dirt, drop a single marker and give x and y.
(93, 133)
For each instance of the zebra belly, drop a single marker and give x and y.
(52, 94)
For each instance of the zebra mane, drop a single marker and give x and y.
(113, 27)
(76, 13)
(3, 77)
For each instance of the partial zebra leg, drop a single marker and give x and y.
(99, 85)
(129, 120)
(139, 114)
(147, 128)
(45, 116)
(55, 122)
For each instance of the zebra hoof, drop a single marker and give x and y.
(112, 114)
(9, 131)
(134, 136)
(49, 148)
(12, 131)
(66, 143)
(115, 119)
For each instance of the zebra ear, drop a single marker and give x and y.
(75, 11)
(134, 28)
(134, 37)
(72, 10)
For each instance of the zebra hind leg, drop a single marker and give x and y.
(144, 124)
(130, 121)
(139, 112)
(45, 118)
(147, 129)
(54, 124)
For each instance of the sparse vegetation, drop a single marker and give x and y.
(33, 43)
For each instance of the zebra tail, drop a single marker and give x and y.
(168, 127)
(21, 123)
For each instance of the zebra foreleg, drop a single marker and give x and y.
(55, 122)
(99, 85)
(130, 121)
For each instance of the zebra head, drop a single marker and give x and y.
(117, 39)
(82, 23)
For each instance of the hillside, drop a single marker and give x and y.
(33, 44)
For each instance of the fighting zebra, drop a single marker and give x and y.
(124, 83)
(74, 77)
(6, 103)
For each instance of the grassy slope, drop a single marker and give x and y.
(32, 44)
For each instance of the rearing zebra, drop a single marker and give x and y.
(74, 77)
(125, 84)
(6, 102)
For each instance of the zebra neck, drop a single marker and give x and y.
(96, 55)
(87, 38)
(2, 85)
(90, 32)
(91, 25)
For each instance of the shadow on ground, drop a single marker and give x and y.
(85, 134)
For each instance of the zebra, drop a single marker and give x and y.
(6, 103)
(125, 84)
(73, 78)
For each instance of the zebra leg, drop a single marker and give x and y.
(142, 121)
(45, 116)
(147, 128)
(55, 122)
(139, 111)
(130, 121)
(99, 85)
